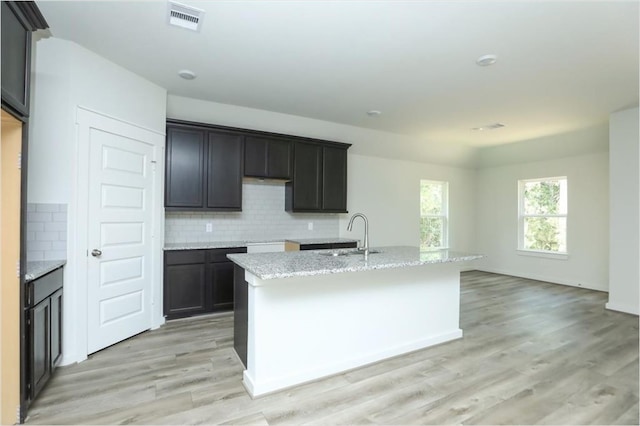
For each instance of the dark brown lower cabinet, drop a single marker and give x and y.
(198, 282)
(40, 317)
(44, 321)
(185, 283)
(222, 279)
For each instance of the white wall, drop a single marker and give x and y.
(587, 234)
(624, 255)
(386, 190)
(65, 76)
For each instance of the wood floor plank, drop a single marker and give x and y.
(532, 352)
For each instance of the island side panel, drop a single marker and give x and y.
(240, 313)
(305, 328)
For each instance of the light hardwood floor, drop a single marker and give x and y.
(532, 353)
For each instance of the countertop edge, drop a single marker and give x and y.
(241, 243)
(238, 259)
(39, 268)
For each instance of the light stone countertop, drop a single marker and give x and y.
(268, 266)
(38, 268)
(205, 245)
(244, 243)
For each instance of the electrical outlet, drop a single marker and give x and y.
(209, 227)
(310, 226)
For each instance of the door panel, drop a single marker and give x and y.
(120, 218)
(307, 177)
(225, 166)
(40, 345)
(56, 328)
(334, 179)
(222, 279)
(185, 168)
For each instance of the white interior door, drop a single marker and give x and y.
(119, 233)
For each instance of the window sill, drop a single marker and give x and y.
(543, 254)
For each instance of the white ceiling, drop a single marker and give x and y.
(561, 65)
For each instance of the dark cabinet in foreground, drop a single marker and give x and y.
(44, 322)
(198, 281)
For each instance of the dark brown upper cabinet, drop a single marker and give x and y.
(225, 170)
(319, 181)
(204, 169)
(185, 168)
(334, 179)
(267, 157)
(19, 19)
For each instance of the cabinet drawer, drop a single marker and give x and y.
(220, 255)
(44, 286)
(184, 257)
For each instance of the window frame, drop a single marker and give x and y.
(444, 216)
(521, 250)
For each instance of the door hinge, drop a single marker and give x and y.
(153, 165)
(20, 161)
(18, 268)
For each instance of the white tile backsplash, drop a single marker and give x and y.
(46, 231)
(262, 218)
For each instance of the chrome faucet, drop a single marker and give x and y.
(366, 232)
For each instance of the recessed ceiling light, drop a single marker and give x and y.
(492, 126)
(187, 74)
(486, 60)
(374, 113)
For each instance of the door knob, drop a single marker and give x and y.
(96, 252)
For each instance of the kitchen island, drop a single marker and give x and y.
(300, 316)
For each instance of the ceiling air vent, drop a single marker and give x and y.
(185, 16)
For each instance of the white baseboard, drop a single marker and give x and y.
(549, 279)
(257, 388)
(627, 309)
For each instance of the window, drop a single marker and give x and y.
(433, 214)
(543, 215)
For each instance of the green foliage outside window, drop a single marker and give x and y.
(545, 223)
(432, 214)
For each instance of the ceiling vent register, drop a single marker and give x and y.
(185, 16)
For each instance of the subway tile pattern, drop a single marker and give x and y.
(46, 232)
(262, 218)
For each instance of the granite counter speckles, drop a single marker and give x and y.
(268, 266)
(205, 245)
(38, 268)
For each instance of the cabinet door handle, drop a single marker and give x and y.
(96, 252)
